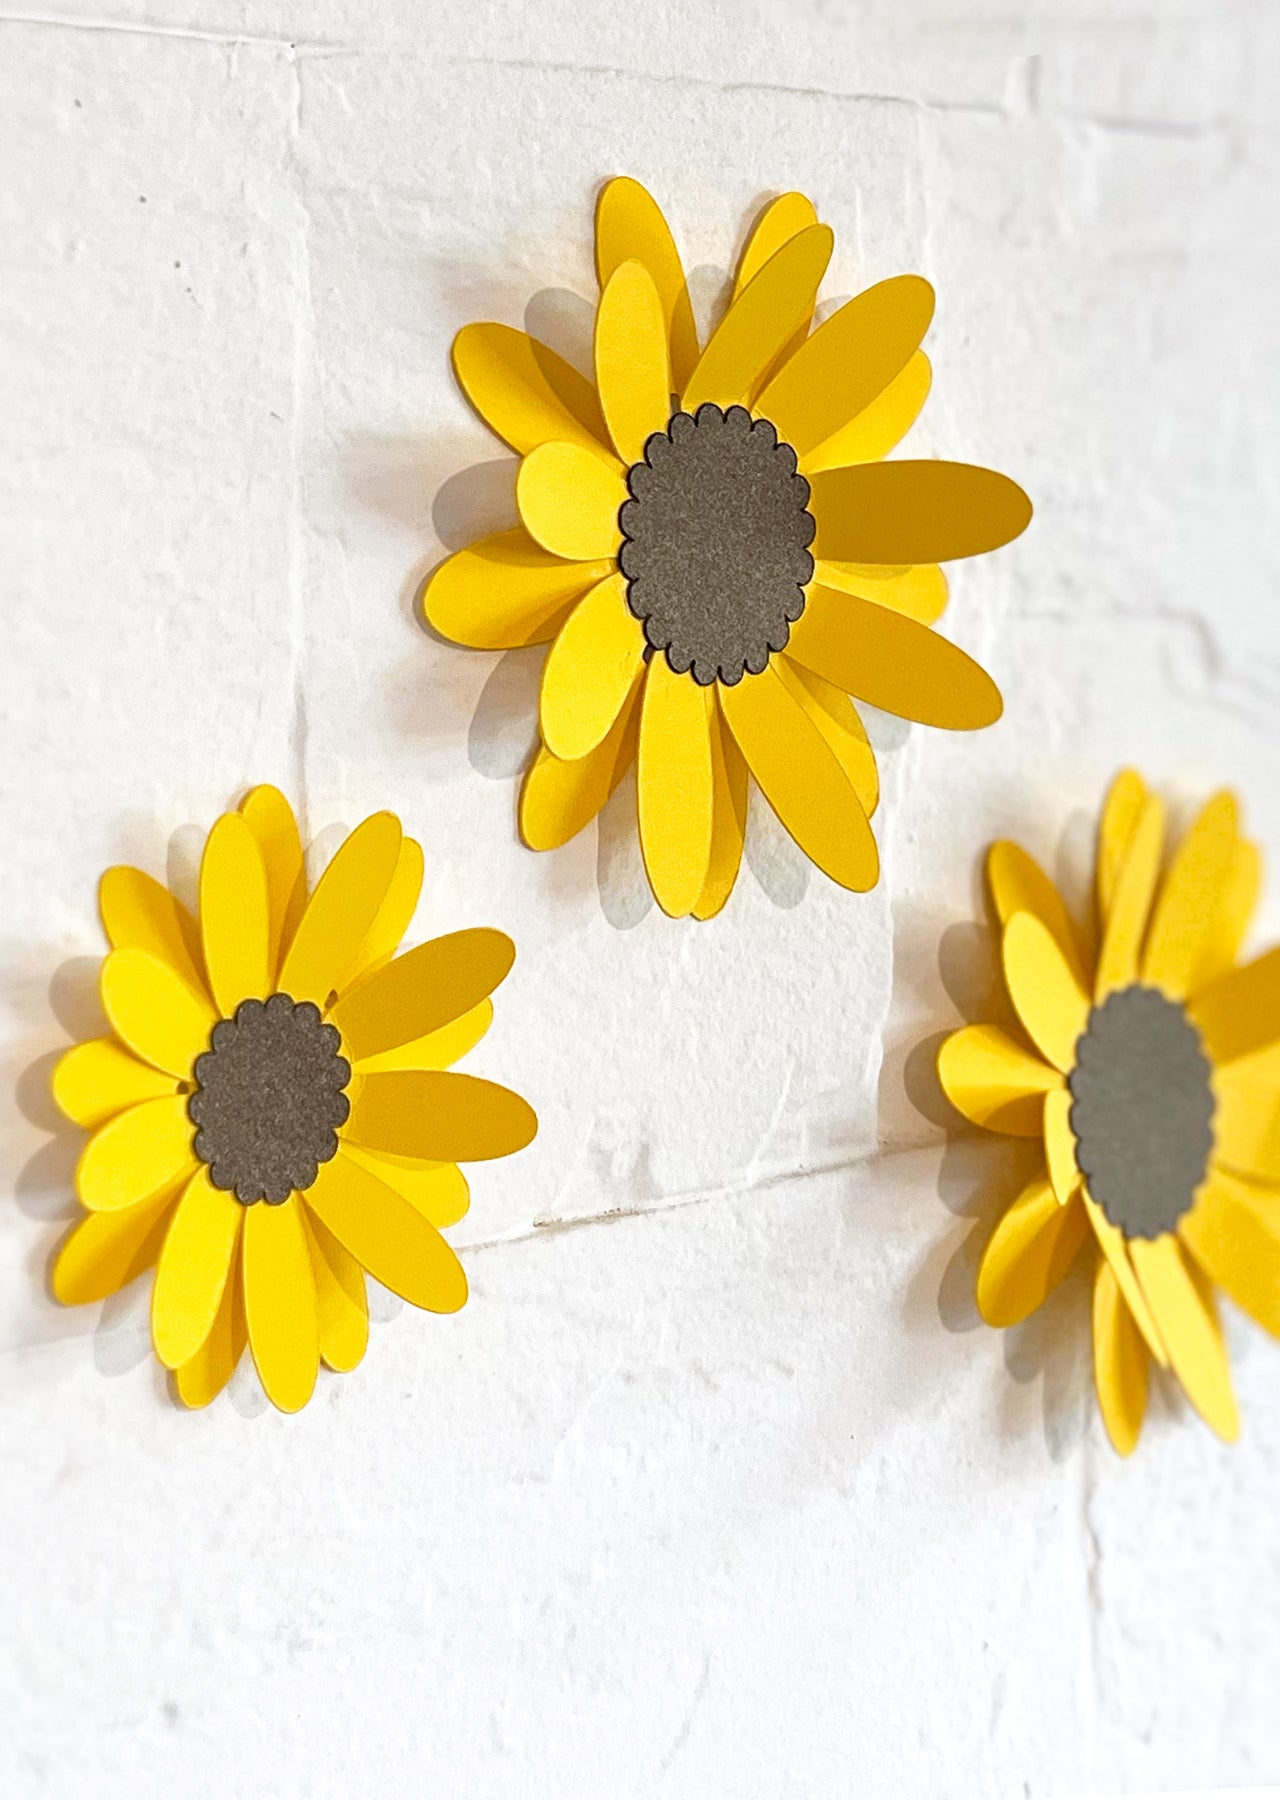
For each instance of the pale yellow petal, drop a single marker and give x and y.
(569, 500)
(1044, 988)
(135, 1155)
(994, 1081)
(675, 786)
(590, 671)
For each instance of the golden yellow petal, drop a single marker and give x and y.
(280, 1302)
(569, 500)
(1182, 919)
(760, 321)
(428, 987)
(1229, 924)
(439, 1116)
(1233, 1232)
(1115, 1248)
(270, 818)
(195, 1261)
(1044, 989)
(107, 1250)
(1246, 1123)
(505, 592)
(525, 392)
(1019, 884)
(95, 1080)
(1239, 1013)
(994, 1081)
(728, 818)
(1029, 1252)
(879, 427)
(920, 593)
(342, 1307)
(630, 227)
(1188, 1324)
(914, 512)
(1119, 1361)
(559, 798)
(393, 917)
(1135, 886)
(203, 1378)
(341, 911)
(135, 1155)
(438, 1190)
(633, 367)
(139, 914)
(388, 1235)
(675, 786)
(781, 220)
(590, 672)
(235, 915)
(835, 715)
(1060, 1146)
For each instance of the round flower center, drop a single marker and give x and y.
(269, 1098)
(716, 551)
(1143, 1110)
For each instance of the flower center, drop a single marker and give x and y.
(269, 1098)
(1143, 1110)
(716, 551)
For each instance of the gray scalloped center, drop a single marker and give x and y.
(716, 543)
(1142, 1111)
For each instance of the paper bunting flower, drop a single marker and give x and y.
(1151, 1070)
(716, 553)
(274, 1115)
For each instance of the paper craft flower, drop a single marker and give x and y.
(1151, 1070)
(273, 1114)
(717, 554)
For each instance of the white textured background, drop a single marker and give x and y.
(716, 1489)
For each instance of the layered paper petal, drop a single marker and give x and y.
(1130, 902)
(439, 1191)
(439, 1116)
(633, 366)
(1246, 1125)
(728, 819)
(138, 913)
(881, 426)
(760, 321)
(269, 817)
(1233, 1232)
(675, 786)
(235, 915)
(342, 1307)
(994, 1081)
(782, 219)
(559, 798)
(341, 910)
(1030, 1251)
(1019, 884)
(195, 1262)
(524, 391)
(99, 1078)
(569, 500)
(137, 1154)
(1120, 814)
(834, 714)
(1044, 988)
(280, 1303)
(426, 988)
(590, 672)
(154, 1011)
(630, 227)
(505, 592)
(1229, 925)
(919, 593)
(202, 1379)
(1060, 1146)
(914, 512)
(107, 1250)
(388, 1236)
(1115, 1249)
(1189, 1327)
(1119, 1361)
(438, 1049)
(1184, 912)
(394, 916)
(1239, 1013)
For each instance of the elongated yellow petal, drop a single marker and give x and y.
(1120, 814)
(1019, 884)
(269, 817)
(1246, 1124)
(1233, 1231)
(1115, 1249)
(394, 916)
(439, 1191)
(340, 912)
(569, 500)
(342, 1306)
(139, 914)
(525, 392)
(834, 713)
(138, 1154)
(919, 593)
(559, 798)
(879, 427)
(675, 786)
(1119, 1361)
(1135, 885)
(633, 367)
(803, 779)
(630, 228)
(782, 219)
(892, 662)
(760, 321)
(154, 1011)
(95, 1080)
(439, 1116)
(235, 915)
(107, 1250)
(728, 818)
(848, 362)
(994, 1081)
(590, 671)
(428, 987)
(1060, 1146)
(1229, 925)
(1189, 1327)
(388, 1236)
(1029, 1252)
(438, 1049)
(198, 1252)
(914, 512)
(1183, 917)
(1044, 989)
(202, 1379)
(1239, 1013)
(504, 592)
(280, 1303)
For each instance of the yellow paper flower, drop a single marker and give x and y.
(272, 1115)
(1151, 1070)
(717, 554)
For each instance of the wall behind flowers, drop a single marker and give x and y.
(716, 1488)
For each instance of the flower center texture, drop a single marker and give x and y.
(1142, 1110)
(269, 1098)
(716, 543)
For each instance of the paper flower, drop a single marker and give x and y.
(716, 553)
(1151, 1070)
(273, 1116)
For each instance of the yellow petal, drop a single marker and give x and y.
(525, 392)
(388, 1236)
(760, 321)
(439, 1191)
(1114, 1248)
(728, 818)
(1060, 1146)
(107, 1250)
(675, 786)
(1246, 1124)
(995, 1082)
(590, 671)
(504, 592)
(1029, 1252)
(919, 593)
(154, 1011)
(559, 798)
(342, 1307)
(782, 219)
(892, 662)
(394, 916)
(1046, 993)
(630, 228)
(1125, 800)
(203, 1378)
(879, 427)
(1190, 1329)
(428, 987)
(848, 362)
(139, 914)
(1119, 1361)
(569, 499)
(1229, 923)
(341, 910)
(438, 1049)
(834, 713)
(439, 1116)
(139, 1153)
(235, 915)
(1233, 1231)
(95, 1080)
(914, 512)
(803, 779)
(280, 1303)
(1183, 915)
(1019, 884)
(269, 817)
(633, 368)
(1239, 1013)
(1135, 885)
(196, 1259)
